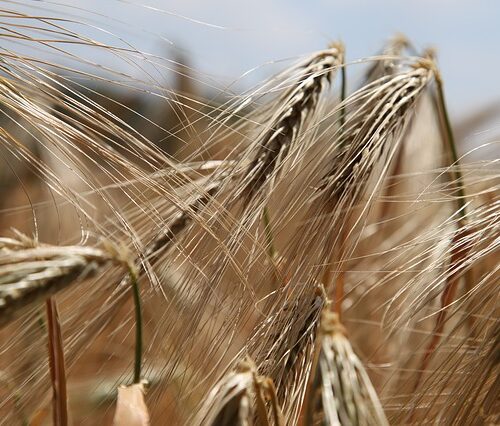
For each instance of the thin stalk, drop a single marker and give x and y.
(138, 325)
(56, 364)
(339, 288)
(343, 90)
(452, 151)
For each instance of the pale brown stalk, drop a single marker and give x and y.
(56, 364)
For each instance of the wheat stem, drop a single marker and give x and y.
(450, 142)
(56, 363)
(343, 92)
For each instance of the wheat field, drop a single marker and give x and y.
(319, 249)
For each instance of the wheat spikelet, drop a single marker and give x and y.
(390, 61)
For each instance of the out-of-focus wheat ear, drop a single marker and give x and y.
(390, 61)
(460, 248)
(297, 105)
(339, 390)
(266, 391)
(458, 252)
(56, 364)
(131, 409)
(158, 247)
(181, 221)
(230, 403)
(31, 272)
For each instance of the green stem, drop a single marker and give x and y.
(269, 233)
(343, 90)
(450, 141)
(138, 325)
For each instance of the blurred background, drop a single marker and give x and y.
(236, 43)
(166, 69)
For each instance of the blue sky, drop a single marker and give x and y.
(224, 39)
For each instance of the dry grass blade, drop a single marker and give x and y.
(131, 409)
(56, 364)
(340, 391)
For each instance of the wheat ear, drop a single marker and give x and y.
(298, 104)
(30, 272)
(339, 390)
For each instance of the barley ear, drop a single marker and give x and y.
(231, 400)
(339, 390)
